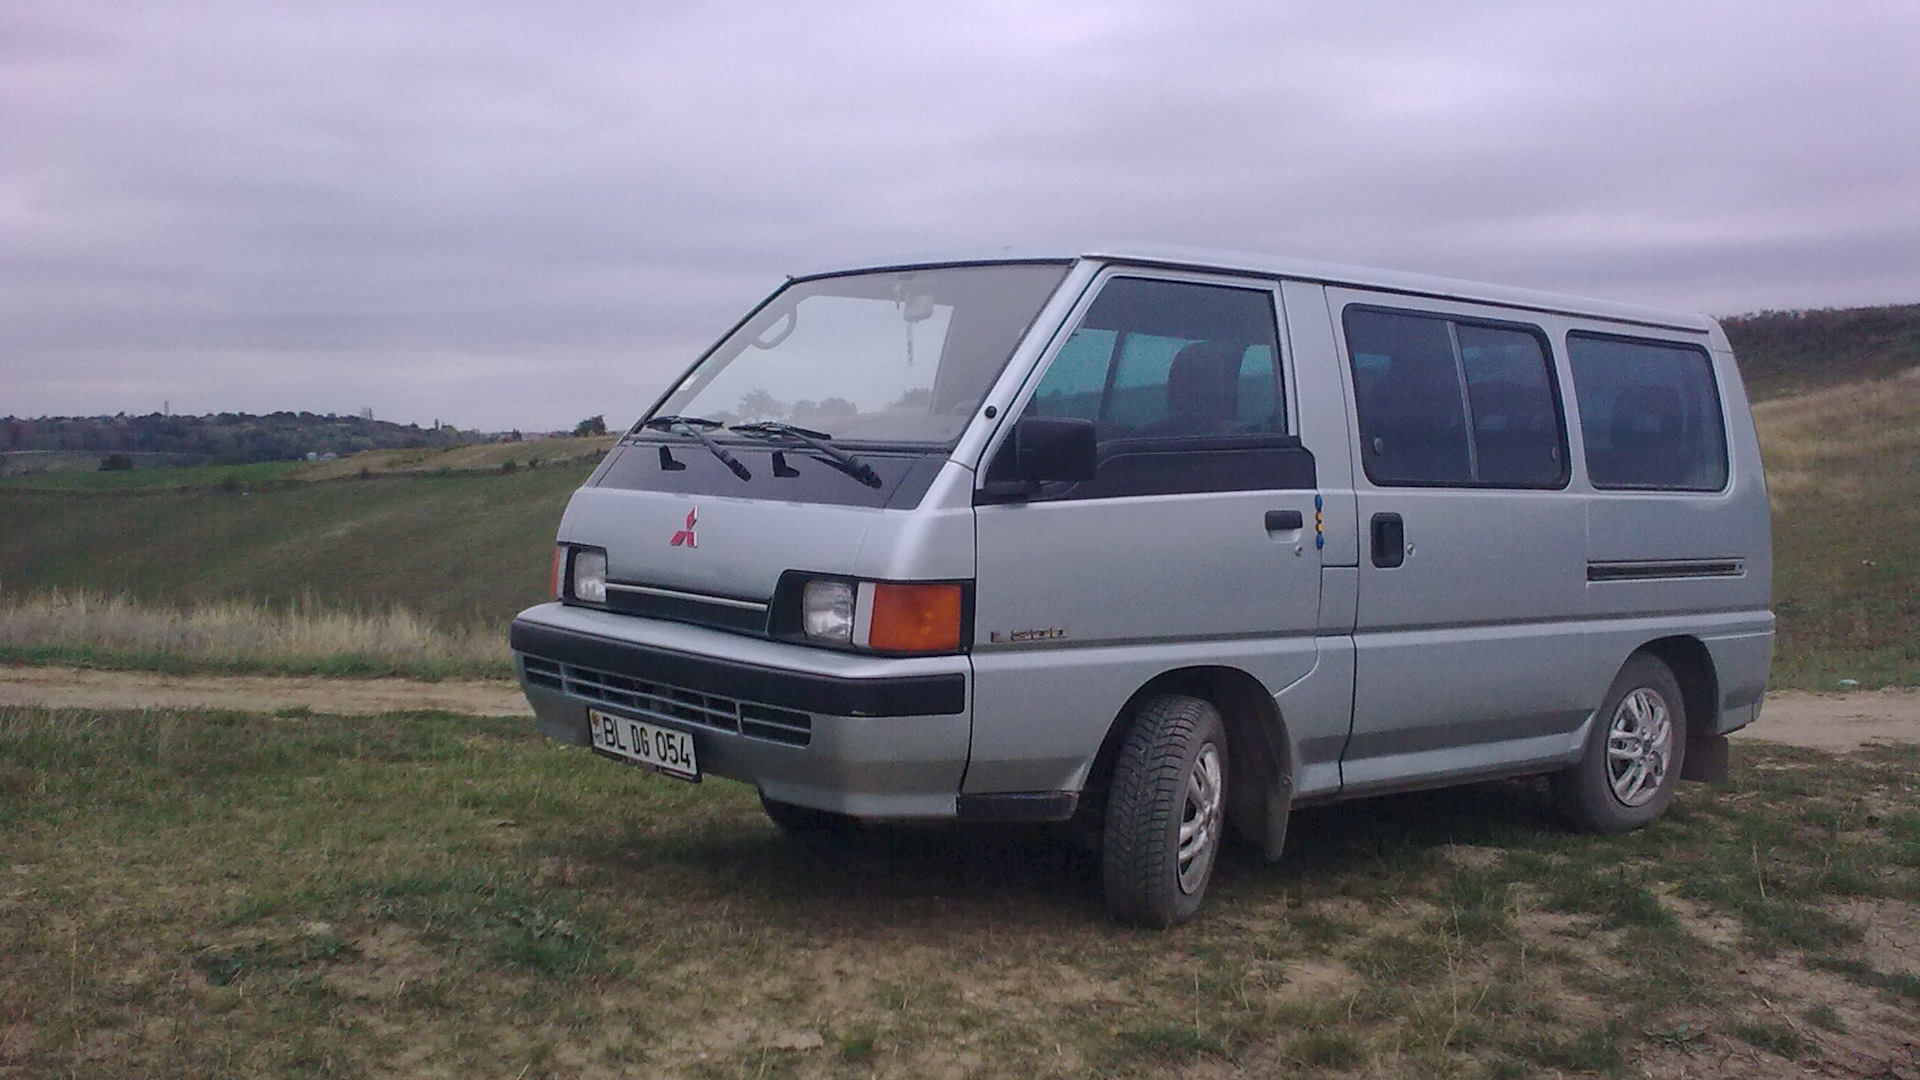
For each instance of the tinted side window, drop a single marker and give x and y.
(1516, 413)
(1413, 419)
(1169, 359)
(1442, 401)
(1649, 414)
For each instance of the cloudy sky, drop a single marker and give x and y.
(505, 214)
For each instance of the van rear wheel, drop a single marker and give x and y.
(1166, 811)
(1632, 762)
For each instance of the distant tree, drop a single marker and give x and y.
(760, 405)
(116, 463)
(592, 425)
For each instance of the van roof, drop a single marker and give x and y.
(1327, 273)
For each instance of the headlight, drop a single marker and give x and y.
(884, 616)
(587, 581)
(826, 610)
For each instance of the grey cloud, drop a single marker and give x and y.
(515, 215)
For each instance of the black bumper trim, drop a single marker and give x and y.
(1017, 806)
(898, 695)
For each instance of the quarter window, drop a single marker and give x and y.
(1649, 414)
(1446, 401)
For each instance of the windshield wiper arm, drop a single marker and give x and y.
(698, 427)
(817, 441)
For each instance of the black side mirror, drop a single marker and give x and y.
(1053, 448)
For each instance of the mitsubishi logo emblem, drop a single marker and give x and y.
(685, 537)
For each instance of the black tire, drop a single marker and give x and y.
(1171, 775)
(1631, 766)
(805, 820)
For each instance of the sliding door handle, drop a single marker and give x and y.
(1389, 541)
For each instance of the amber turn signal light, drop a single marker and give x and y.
(915, 618)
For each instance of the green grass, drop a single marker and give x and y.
(235, 477)
(456, 548)
(227, 894)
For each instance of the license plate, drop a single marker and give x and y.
(664, 749)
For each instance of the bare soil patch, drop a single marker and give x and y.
(1838, 722)
(72, 688)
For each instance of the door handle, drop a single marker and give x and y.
(1389, 541)
(1284, 520)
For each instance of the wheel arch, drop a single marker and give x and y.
(1259, 760)
(1692, 666)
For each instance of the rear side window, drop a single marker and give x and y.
(1445, 401)
(1649, 414)
(1166, 359)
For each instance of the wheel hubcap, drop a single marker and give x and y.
(1200, 820)
(1639, 746)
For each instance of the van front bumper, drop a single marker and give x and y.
(872, 737)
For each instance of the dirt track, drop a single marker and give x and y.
(71, 688)
(1824, 721)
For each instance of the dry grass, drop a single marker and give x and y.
(238, 635)
(1843, 467)
(1823, 444)
(479, 457)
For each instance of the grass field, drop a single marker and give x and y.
(455, 547)
(302, 638)
(230, 477)
(1843, 466)
(190, 894)
(461, 538)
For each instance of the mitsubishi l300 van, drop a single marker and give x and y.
(1168, 541)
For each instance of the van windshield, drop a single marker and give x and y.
(894, 357)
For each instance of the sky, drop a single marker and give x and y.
(498, 214)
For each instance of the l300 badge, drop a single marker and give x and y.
(1045, 633)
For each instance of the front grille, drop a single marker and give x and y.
(660, 701)
(717, 612)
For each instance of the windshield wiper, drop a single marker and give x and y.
(698, 427)
(817, 441)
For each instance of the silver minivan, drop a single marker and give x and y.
(1166, 541)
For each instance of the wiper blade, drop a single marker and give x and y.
(698, 427)
(817, 441)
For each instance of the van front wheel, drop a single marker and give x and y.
(1166, 811)
(1632, 762)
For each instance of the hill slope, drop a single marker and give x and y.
(1843, 466)
(457, 547)
(1785, 352)
(461, 547)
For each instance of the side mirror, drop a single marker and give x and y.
(1053, 448)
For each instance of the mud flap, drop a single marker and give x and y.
(1706, 760)
(1279, 808)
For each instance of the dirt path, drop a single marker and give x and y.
(71, 688)
(1838, 721)
(1825, 721)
